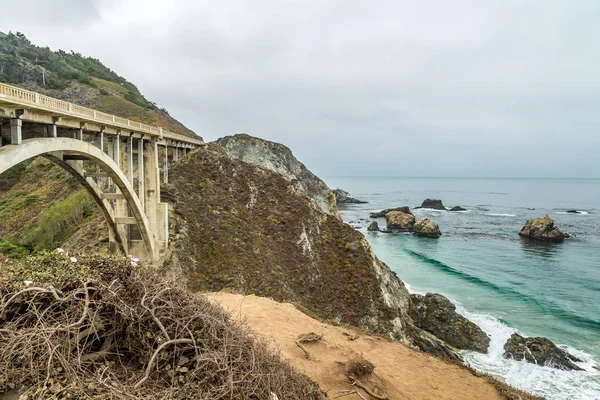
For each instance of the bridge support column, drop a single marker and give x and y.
(130, 158)
(117, 150)
(166, 166)
(176, 154)
(141, 174)
(152, 184)
(99, 141)
(16, 131)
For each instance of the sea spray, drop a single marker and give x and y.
(552, 383)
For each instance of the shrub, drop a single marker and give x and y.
(103, 327)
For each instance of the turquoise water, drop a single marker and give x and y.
(502, 282)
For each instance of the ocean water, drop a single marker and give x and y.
(498, 280)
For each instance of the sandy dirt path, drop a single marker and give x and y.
(402, 373)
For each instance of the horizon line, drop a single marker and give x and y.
(462, 177)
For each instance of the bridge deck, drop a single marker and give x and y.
(37, 104)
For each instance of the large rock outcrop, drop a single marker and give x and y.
(434, 204)
(279, 158)
(426, 227)
(343, 197)
(249, 229)
(399, 221)
(437, 315)
(542, 229)
(382, 213)
(541, 351)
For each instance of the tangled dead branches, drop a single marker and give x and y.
(108, 329)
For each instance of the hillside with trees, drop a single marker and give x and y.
(81, 80)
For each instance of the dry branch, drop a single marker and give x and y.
(359, 385)
(127, 333)
(307, 338)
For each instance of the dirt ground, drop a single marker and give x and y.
(400, 372)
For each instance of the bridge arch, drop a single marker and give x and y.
(55, 149)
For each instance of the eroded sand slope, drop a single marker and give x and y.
(400, 371)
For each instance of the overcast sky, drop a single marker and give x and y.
(380, 88)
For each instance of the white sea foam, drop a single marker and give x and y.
(502, 215)
(552, 383)
(577, 213)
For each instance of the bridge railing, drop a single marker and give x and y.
(30, 99)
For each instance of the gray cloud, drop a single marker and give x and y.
(436, 88)
(48, 14)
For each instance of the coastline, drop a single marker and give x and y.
(462, 267)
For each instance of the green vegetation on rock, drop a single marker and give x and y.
(250, 229)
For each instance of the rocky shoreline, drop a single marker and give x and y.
(436, 314)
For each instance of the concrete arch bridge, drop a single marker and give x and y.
(115, 159)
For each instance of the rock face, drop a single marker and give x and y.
(573, 211)
(382, 213)
(457, 208)
(343, 197)
(433, 204)
(373, 227)
(426, 227)
(437, 315)
(399, 221)
(541, 351)
(279, 158)
(542, 229)
(241, 227)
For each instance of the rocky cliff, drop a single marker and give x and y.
(249, 229)
(279, 158)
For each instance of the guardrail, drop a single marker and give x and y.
(39, 101)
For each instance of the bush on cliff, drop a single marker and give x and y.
(103, 327)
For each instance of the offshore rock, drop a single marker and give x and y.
(373, 227)
(541, 351)
(434, 204)
(457, 208)
(543, 229)
(382, 213)
(343, 197)
(399, 221)
(279, 158)
(426, 227)
(437, 315)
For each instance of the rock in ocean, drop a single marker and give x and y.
(397, 220)
(426, 227)
(437, 315)
(434, 204)
(543, 229)
(373, 227)
(343, 197)
(382, 213)
(541, 351)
